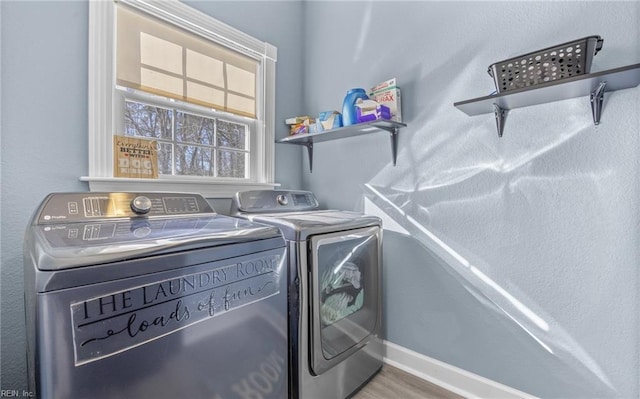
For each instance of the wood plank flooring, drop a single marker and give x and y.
(393, 383)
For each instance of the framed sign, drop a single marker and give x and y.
(135, 157)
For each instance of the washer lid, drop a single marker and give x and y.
(300, 225)
(66, 246)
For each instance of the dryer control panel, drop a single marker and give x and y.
(267, 201)
(81, 207)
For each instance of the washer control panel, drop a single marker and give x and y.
(265, 201)
(81, 207)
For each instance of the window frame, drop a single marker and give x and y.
(103, 97)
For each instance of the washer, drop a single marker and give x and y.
(153, 295)
(334, 290)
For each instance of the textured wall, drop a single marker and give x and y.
(44, 124)
(513, 258)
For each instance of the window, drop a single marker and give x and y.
(190, 144)
(203, 91)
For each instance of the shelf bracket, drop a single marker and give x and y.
(393, 134)
(597, 97)
(500, 115)
(309, 146)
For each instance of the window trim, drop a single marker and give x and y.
(101, 88)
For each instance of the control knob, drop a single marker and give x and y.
(141, 205)
(282, 199)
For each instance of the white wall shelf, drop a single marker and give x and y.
(593, 84)
(359, 129)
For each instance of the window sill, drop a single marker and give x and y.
(207, 189)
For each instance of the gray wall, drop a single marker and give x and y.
(44, 140)
(513, 258)
(44, 123)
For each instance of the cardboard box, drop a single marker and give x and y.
(388, 94)
(369, 110)
(330, 120)
(298, 119)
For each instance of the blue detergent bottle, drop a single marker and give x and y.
(349, 116)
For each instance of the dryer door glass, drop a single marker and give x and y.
(345, 293)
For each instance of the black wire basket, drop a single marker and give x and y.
(550, 64)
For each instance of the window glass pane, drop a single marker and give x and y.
(231, 164)
(194, 160)
(231, 135)
(165, 158)
(194, 129)
(147, 121)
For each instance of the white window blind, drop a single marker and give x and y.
(160, 58)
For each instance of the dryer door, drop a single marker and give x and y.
(345, 294)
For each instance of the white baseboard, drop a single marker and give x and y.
(454, 379)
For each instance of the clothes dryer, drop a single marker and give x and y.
(153, 295)
(334, 290)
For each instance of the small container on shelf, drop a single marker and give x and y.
(550, 64)
(349, 116)
(300, 125)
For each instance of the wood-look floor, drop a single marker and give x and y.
(393, 383)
